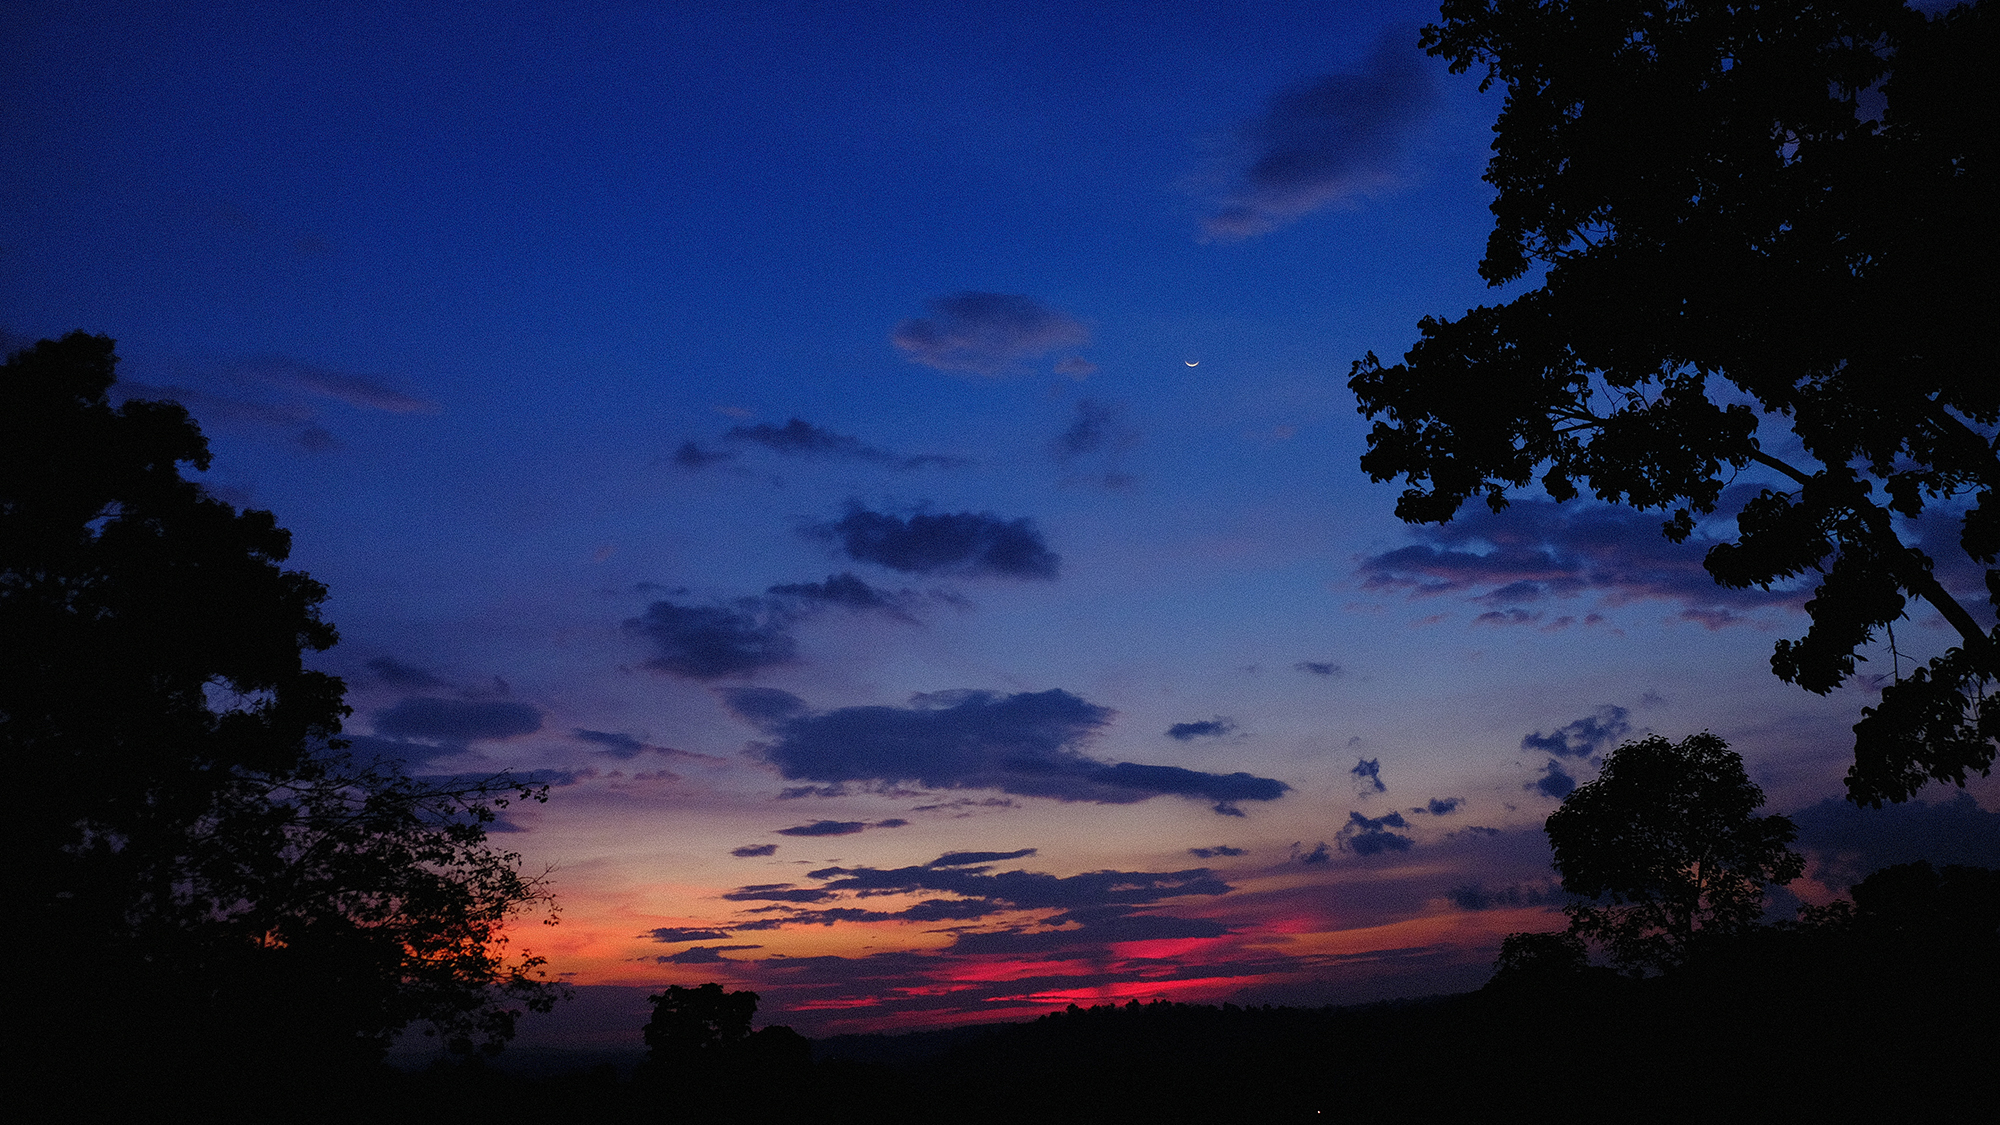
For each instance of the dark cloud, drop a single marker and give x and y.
(1367, 774)
(761, 705)
(1474, 896)
(957, 543)
(703, 955)
(621, 746)
(457, 720)
(1214, 852)
(708, 642)
(1554, 782)
(974, 859)
(692, 456)
(1588, 737)
(1206, 728)
(776, 892)
(1537, 550)
(1319, 854)
(986, 333)
(1101, 929)
(1026, 744)
(1093, 447)
(825, 828)
(749, 850)
(847, 591)
(670, 934)
(1326, 143)
(1372, 836)
(397, 674)
(1849, 842)
(800, 438)
(840, 827)
(1318, 668)
(1440, 806)
(1105, 904)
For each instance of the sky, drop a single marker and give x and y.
(888, 468)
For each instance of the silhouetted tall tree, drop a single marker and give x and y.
(199, 872)
(1746, 217)
(1665, 846)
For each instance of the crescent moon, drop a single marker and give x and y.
(1194, 363)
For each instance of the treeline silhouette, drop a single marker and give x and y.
(1883, 1006)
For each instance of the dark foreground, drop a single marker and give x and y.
(1781, 1027)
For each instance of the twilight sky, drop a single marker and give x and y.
(889, 468)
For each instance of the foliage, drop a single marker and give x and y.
(694, 1022)
(1665, 847)
(195, 849)
(1730, 244)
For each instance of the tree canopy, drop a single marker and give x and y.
(1763, 235)
(1664, 846)
(200, 868)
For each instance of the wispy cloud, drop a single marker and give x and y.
(1514, 563)
(1325, 143)
(986, 333)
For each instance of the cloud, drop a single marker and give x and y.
(800, 438)
(1028, 744)
(1319, 854)
(840, 827)
(986, 333)
(1326, 143)
(1206, 728)
(748, 851)
(972, 859)
(1587, 737)
(397, 674)
(1318, 668)
(1096, 434)
(692, 456)
(457, 721)
(708, 642)
(670, 934)
(761, 706)
(825, 828)
(1367, 836)
(1440, 806)
(621, 746)
(703, 955)
(1849, 842)
(352, 390)
(1554, 782)
(845, 590)
(960, 543)
(1516, 560)
(1367, 774)
(275, 392)
(1214, 852)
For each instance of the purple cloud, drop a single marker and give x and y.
(1537, 550)
(986, 333)
(1326, 143)
(1029, 744)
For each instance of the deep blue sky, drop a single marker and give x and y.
(891, 466)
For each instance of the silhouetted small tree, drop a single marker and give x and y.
(1665, 846)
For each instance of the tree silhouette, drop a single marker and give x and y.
(1733, 245)
(202, 876)
(1665, 847)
